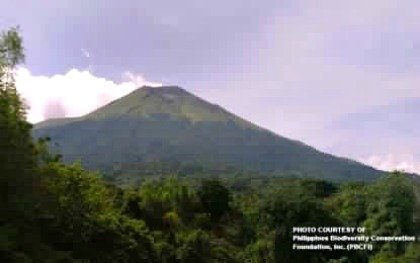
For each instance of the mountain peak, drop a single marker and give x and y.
(167, 91)
(170, 101)
(170, 89)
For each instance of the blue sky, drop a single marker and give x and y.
(295, 67)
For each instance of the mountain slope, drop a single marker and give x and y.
(170, 124)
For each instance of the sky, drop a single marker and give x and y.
(326, 72)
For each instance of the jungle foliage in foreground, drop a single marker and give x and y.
(52, 212)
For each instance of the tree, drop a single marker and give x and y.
(17, 152)
(194, 247)
(86, 222)
(350, 203)
(390, 210)
(215, 198)
(290, 207)
(18, 162)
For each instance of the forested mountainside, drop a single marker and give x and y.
(170, 125)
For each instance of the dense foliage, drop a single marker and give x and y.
(52, 212)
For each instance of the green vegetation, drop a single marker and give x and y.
(170, 125)
(56, 212)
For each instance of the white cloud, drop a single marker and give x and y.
(138, 80)
(390, 162)
(72, 94)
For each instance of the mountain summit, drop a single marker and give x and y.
(169, 124)
(171, 101)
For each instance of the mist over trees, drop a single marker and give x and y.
(55, 212)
